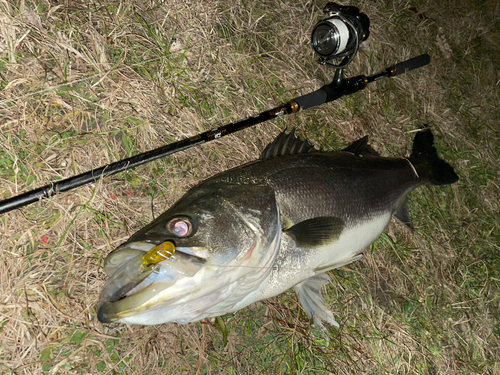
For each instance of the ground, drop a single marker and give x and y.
(83, 84)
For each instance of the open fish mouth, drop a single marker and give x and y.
(225, 247)
(138, 271)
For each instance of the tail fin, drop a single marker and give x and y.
(427, 162)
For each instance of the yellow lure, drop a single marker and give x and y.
(159, 253)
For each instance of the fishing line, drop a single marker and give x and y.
(412, 167)
(250, 267)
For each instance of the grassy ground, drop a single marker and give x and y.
(83, 84)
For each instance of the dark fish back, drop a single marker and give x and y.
(341, 184)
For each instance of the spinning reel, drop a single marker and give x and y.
(339, 34)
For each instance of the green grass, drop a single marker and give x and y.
(106, 80)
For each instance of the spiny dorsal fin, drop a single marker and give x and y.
(361, 147)
(286, 144)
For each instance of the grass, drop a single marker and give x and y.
(85, 84)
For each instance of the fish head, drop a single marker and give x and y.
(226, 239)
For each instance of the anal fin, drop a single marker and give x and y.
(403, 216)
(309, 293)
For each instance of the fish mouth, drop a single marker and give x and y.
(133, 282)
(204, 279)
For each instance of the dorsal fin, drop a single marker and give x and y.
(361, 147)
(286, 144)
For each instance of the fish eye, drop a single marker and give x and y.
(180, 227)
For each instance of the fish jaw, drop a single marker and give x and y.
(170, 296)
(132, 271)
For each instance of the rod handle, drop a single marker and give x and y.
(313, 99)
(415, 63)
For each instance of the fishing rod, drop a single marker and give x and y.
(325, 94)
(351, 27)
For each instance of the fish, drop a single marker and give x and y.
(260, 229)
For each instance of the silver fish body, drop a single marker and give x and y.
(255, 231)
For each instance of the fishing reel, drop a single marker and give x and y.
(339, 35)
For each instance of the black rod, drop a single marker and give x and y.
(325, 94)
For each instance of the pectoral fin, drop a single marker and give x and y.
(316, 232)
(309, 293)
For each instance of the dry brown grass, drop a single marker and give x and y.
(84, 84)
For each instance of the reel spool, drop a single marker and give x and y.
(340, 34)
